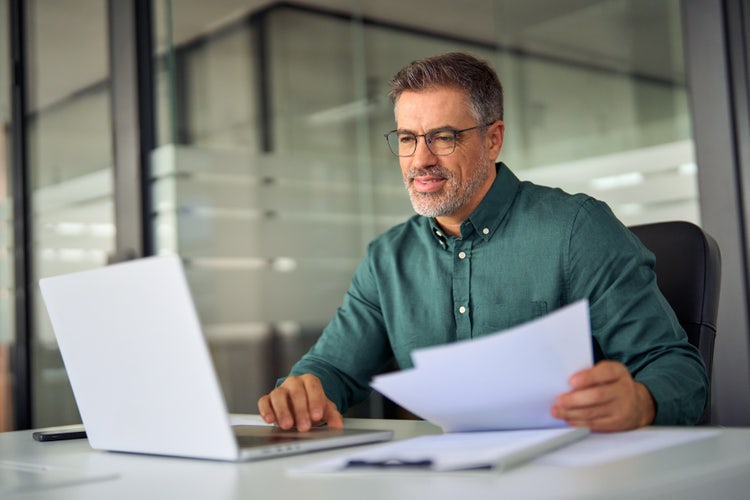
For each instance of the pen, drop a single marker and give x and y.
(391, 462)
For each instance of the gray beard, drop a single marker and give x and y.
(450, 199)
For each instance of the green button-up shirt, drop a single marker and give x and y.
(526, 250)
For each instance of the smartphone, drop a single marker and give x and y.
(59, 434)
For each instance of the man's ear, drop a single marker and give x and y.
(495, 135)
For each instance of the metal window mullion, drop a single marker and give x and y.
(132, 123)
(22, 245)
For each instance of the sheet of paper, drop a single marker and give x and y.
(597, 448)
(506, 380)
(454, 451)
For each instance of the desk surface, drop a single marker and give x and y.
(713, 467)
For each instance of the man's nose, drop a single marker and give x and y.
(423, 155)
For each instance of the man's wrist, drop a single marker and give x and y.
(646, 404)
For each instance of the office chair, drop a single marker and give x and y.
(688, 273)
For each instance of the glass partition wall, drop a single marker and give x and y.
(70, 168)
(272, 173)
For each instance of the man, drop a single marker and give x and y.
(487, 252)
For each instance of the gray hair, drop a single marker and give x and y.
(456, 70)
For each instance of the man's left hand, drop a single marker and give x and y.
(605, 398)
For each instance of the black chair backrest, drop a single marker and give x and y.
(688, 272)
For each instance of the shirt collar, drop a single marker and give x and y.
(491, 210)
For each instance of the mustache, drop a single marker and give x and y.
(432, 171)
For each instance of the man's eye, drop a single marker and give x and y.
(442, 137)
(406, 139)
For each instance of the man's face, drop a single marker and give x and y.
(452, 185)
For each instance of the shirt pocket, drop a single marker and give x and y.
(508, 315)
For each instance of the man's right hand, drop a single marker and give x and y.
(299, 402)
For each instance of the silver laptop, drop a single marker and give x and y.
(142, 374)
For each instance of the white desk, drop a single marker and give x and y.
(714, 467)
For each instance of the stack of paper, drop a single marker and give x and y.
(506, 380)
(498, 450)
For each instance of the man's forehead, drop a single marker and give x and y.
(434, 107)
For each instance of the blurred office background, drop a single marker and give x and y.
(247, 136)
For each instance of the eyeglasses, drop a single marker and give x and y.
(440, 142)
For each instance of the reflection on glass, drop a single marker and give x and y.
(272, 173)
(70, 161)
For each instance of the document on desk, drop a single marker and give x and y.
(600, 448)
(497, 450)
(502, 381)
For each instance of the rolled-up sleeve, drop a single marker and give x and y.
(631, 320)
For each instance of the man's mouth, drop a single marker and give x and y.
(428, 183)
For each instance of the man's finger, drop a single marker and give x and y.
(604, 372)
(265, 410)
(588, 397)
(333, 417)
(299, 403)
(290, 405)
(316, 398)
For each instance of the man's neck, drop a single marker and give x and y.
(450, 225)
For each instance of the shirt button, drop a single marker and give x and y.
(461, 255)
(462, 309)
(485, 231)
